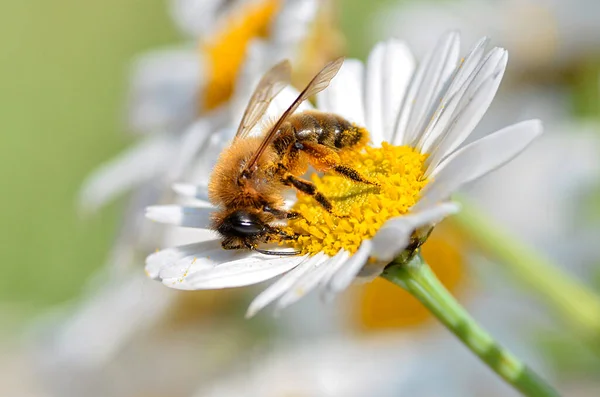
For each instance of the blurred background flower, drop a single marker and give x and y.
(71, 325)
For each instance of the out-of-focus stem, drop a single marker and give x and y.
(573, 301)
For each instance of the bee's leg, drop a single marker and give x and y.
(234, 244)
(276, 234)
(309, 188)
(282, 214)
(352, 174)
(324, 158)
(293, 215)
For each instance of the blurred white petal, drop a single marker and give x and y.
(297, 13)
(164, 90)
(137, 165)
(196, 18)
(106, 320)
(191, 142)
(198, 191)
(198, 217)
(332, 367)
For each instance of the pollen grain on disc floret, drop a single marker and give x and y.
(359, 209)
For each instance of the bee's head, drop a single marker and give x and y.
(246, 229)
(242, 224)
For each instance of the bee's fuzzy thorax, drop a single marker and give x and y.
(228, 189)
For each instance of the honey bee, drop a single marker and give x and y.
(251, 174)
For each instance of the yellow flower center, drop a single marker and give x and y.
(226, 51)
(359, 209)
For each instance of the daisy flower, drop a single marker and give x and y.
(418, 118)
(178, 96)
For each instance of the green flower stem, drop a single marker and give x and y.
(574, 302)
(418, 279)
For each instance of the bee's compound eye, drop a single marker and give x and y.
(245, 224)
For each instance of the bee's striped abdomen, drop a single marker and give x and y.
(327, 129)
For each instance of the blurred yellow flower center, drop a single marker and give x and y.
(323, 43)
(226, 51)
(359, 209)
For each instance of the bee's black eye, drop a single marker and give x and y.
(242, 224)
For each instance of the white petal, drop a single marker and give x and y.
(346, 273)
(164, 88)
(471, 107)
(469, 65)
(249, 75)
(466, 72)
(196, 18)
(300, 14)
(370, 271)
(344, 96)
(426, 88)
(199, 191)
(374, 93)
(207, 156)
(389, 69)
(106, 321)
(166, 258)
(333, 266)
(137, 165)
(193, 258)
(278, 288)
(394, 235)
(307, 282)
(190, 142)
(178, 236)
(338, 261)
(477, 159)
(253, 268)
(198, 217)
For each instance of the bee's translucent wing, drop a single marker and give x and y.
(316, 85)
(268, 87)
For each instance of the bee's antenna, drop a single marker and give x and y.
(281, 253)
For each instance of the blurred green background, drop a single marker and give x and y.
(64, 71)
